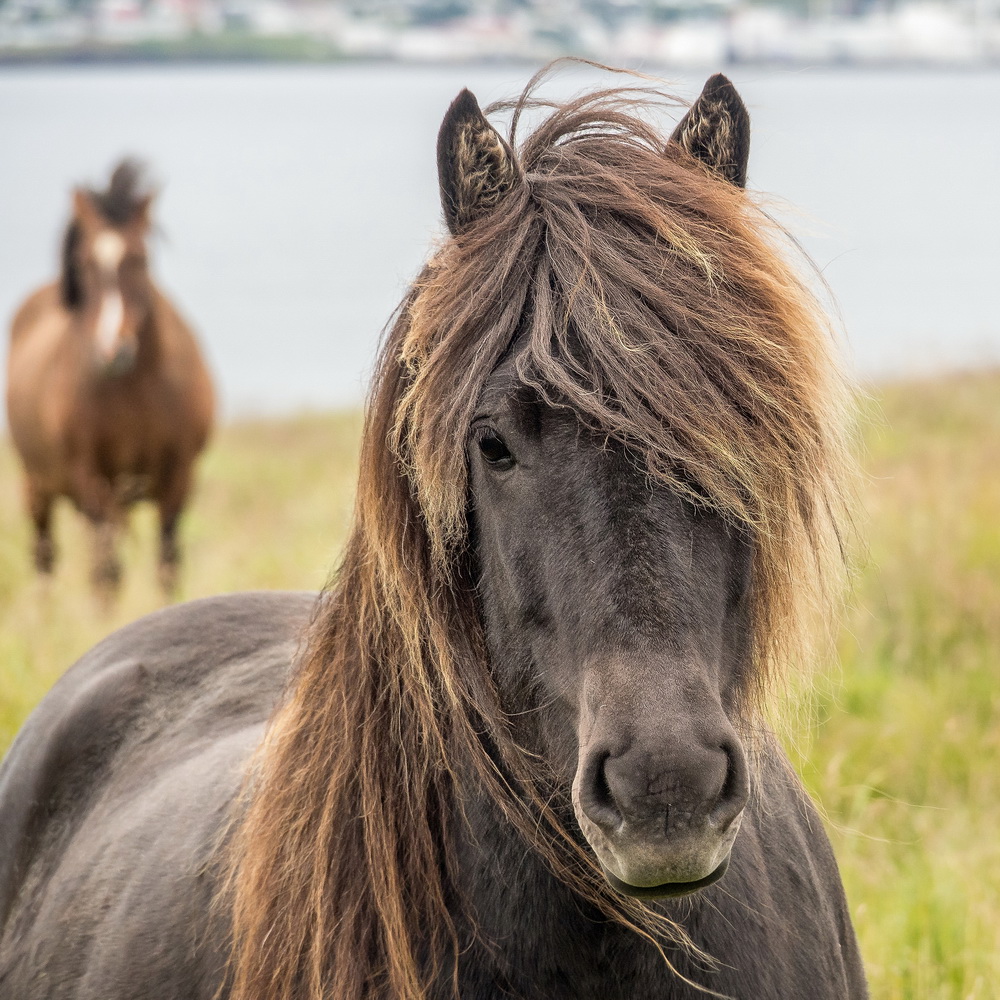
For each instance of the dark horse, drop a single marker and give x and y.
(521, 752)
(108, 399)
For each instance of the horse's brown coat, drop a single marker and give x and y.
(106, 432)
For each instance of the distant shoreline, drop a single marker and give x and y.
(225, 48)
(191, 49)
(249, 49)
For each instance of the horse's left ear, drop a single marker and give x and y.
(142, 214)
(716, 130)
(85, 211)
(476, 167)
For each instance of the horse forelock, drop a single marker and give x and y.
(650, 298)
(127, 191)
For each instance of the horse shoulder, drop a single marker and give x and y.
(39, 304)
(41, 379)
(177, 337)
(784, 887)
(184, 364)
(135, 755)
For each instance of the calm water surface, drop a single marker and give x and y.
(297, 202)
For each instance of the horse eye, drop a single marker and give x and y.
(493, 449)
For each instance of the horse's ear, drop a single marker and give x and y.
(476, 167)
(85, 211)
(142, 214)
(716, 130)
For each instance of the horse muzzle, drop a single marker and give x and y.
(649, 865)
(120, 361)
(662, 824)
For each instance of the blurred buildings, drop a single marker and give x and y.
(656, 32)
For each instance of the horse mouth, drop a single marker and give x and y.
(668, 890)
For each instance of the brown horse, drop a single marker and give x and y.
(108, 398)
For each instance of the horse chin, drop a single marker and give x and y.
(667, 890)
(656, 868)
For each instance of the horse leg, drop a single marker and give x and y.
(40, 508)
(106, 574)
(175, 486)
(97, 499)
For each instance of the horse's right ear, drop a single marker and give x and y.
(85, 211)
(716, 130)
(142, 214)
(476, 167)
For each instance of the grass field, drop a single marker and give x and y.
(902, 745)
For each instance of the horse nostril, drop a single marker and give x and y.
(735, 788)
(596, 797)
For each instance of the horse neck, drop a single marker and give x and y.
(536, 937)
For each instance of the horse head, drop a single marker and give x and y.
(106, 279)
(615, 603)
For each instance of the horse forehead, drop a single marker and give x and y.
(108, 248)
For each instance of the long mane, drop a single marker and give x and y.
(654, 300)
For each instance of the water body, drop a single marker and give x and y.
(297, 202)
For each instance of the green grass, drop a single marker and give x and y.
(903, 746)
(905, 752)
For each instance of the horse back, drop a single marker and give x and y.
(117, 791)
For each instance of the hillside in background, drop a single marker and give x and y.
(900, 744)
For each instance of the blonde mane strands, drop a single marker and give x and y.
(649, 297)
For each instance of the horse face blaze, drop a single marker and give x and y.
(117, 287)
(617, 616)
